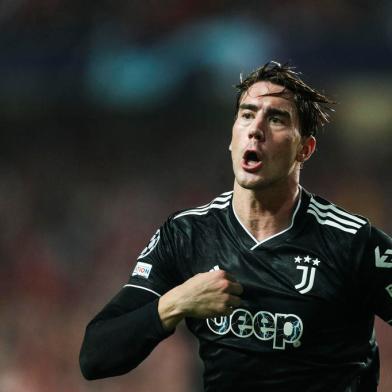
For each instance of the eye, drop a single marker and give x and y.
(247, 115)
(276, 120)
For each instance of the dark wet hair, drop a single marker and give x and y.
(313, 107)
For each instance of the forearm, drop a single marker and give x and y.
(114, 345)
(170, 310)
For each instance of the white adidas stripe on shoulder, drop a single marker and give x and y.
(202, 212)
(217, 199)
(226, 193)
(331, 223)
(220, 202)
(337, 210)
(329, 214)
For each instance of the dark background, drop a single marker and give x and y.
(116, 113)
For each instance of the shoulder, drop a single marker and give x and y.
(185, 225)
(217, 205)
(330, 215)
(178, 227)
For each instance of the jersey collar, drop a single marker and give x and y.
(251, 243)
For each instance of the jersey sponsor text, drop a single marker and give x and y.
(280, 328)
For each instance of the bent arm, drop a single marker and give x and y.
(135, 321)
(122, 335)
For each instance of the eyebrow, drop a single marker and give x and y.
(248, 106)
(269, 112)
(278, 112)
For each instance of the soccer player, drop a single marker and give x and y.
(280, 286)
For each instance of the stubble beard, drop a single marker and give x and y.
(256, 184)
(261, 183)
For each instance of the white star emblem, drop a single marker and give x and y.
(316, 262)
(307, 259)
(298, 259)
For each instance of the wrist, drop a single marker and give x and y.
(169, 310)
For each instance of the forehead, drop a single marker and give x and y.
(269, 93)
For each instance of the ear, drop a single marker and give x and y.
(230, 147)
(306, 149)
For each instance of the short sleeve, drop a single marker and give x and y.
(377, 257)
(156, 266)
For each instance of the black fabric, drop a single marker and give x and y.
(122, 334)
(307, 314)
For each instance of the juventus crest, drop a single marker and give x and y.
(308, 268)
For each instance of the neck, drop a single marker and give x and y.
(265, 212)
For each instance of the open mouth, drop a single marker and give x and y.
(251, 160)
(251, 157)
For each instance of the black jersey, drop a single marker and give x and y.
(310, 295)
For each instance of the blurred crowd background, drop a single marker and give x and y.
(114, 114)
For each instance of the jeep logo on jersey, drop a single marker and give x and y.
(308, 273)
(382, 260)
(151, 245)
(280, 328)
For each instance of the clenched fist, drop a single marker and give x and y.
(205, 295)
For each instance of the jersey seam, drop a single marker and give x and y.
(143, 288)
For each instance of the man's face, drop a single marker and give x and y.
(266, 141)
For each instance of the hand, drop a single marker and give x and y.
(205, 295)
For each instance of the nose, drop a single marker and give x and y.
(256, 130)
